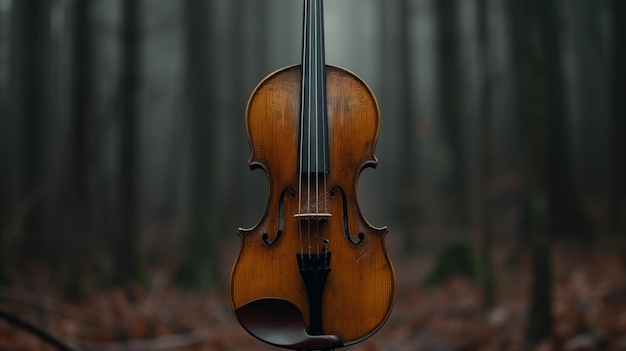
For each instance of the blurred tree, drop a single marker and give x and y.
(390, 100)
(568, 215)
(248, 64)
(486, 167)
(81, 110)
(32, 50)
(617, 181)
(5, 127)
(200, 266)
(583, 37)
(247, 37)
(451, 110)
(126, 239)
(533, 86)
(77, 238)
(408, 212)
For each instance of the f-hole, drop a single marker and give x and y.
(346, 229)
(281, 218)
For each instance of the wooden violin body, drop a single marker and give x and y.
(312, 259)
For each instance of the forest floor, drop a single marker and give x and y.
(589, 309)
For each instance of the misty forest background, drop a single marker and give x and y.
(123, 153)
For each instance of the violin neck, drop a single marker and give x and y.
(313, 117)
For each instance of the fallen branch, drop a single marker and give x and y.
(37, 331)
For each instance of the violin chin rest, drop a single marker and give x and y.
(279, 322)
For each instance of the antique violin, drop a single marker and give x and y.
(312, 274)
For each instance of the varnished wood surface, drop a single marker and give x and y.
(360, 289)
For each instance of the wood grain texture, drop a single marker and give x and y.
(360, 289)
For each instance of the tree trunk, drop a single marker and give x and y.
(538, 158)
(450, 102)
(33, 50)
(82, 102)
(391, 104)
(200, 268)
(617, 183)
(250, 35)
(6, 177)
(409, 212)
(566, 208)
(486, 168)
(126, 244)
(79, 236)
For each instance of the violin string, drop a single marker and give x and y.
(302, 112)
(324, 106)
(317, 116)
(308, 173)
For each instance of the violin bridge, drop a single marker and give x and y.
(313, 216)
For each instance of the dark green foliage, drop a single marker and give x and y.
(199, 271)
(453, 261)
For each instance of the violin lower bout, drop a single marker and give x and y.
(358, 294)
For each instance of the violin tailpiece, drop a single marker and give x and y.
(314, 269)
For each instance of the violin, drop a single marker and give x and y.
(312, 274)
